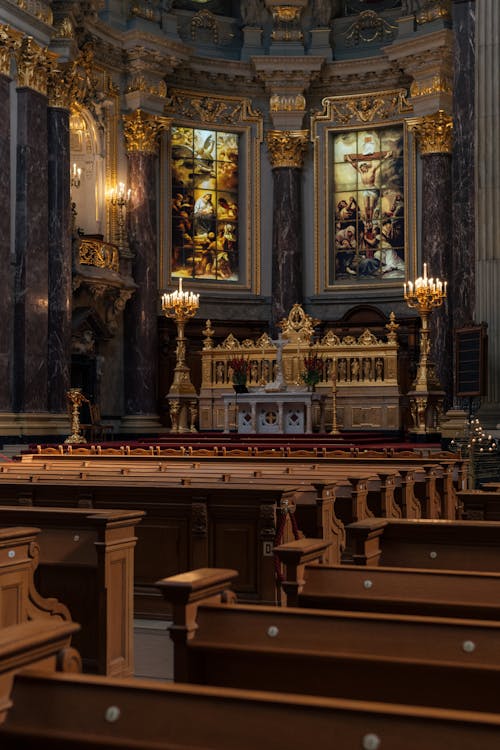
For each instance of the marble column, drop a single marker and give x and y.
(60, 261)
(6, 279)
(31, 233)
(434, 137)
(286, 151)
(463, 188)
(140, 318)
(488, 194)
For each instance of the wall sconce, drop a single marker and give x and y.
(120, 198)
(76, 174)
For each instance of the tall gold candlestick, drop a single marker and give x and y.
(76, 399)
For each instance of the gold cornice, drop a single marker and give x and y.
(434, 133)
(33, 65)
(9, 42)
(141, 131)
(287, 147)
(433, 10)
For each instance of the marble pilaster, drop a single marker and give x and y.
(31, 242)
(140, 321)
(6, 280)
(437, 253)
(59, 341)
(461, 279)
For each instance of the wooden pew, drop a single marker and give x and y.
(479, 505)
(43, 644)
(86, 560)
(454, 545)
(81, 711)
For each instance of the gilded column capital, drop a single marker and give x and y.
(9, 42)
(63, 85)
(141, 131)
(287, 147)
(33, 65)
(434, 133)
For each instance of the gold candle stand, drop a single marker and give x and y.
(76, 399)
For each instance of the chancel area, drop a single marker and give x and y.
(249, 355)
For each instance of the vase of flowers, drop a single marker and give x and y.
(313, 370)
(239, 367)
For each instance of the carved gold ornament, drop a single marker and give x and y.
(287, 103)
(33, 65)
(10, 40)
(434, 133)
(437, 85)
(432, 10)
(287, 147)
(141, 131)
(365, 108)
(98, 254)
(368, 27)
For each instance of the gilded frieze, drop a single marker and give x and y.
(367, 108)
(434, 133)
(141, 131)
(287, 147)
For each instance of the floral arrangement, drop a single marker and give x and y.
(240, 368)
(313, 369)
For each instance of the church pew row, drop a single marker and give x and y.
(414, 660)
(82, 711)
(479, 505)
(19, 598)
(85, 559)
(454, 545)
(441, 592)
(187, 525)
(44, 644)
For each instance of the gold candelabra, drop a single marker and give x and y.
(120, 198)
(181, 306)
(76, 399)
(76, 176)
(334, 430)
(424, 295)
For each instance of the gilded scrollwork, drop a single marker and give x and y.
(368, 27)
(99, 254)
(142, 130)
(211, 109)
(434, 133)
(365, 108)
(298, 324)
(287, 147)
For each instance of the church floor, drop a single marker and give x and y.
(153, 650)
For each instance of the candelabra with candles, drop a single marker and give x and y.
(76, 399)
(334, 430)
(120, 198)
(181, 306)
(76, 174)
(424, 295)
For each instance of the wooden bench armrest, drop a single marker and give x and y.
(196, 585)
(295, 556)
(363, 540)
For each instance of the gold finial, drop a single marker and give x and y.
(142, 130)
(287, 147)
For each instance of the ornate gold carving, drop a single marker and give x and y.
(99, 254)
(437, 85)
(64, 29)
(298, 325)
(141, 131)
(380, 105)
(368, 27)
(287, 103)
(286, 22)
(9, 42)
(144, 10)
(287, 147)
(63, 85)
(433, 10)
(140, 83)
(210, 109)
(33, 65)
(204, 19)
(392, 327)
(38, 9)
(434, 133)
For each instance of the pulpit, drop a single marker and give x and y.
(284, 412)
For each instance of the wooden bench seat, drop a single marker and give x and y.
(86, 560)
(81, 711)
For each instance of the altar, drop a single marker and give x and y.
(283, 412)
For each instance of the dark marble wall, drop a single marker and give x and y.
(31, 282)
(437, 252)
(59, 341)
(287, 242)
(463, 226)
(6, 280)
(140, 322)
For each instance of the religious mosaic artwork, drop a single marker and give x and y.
(368, 206)
(204, 204)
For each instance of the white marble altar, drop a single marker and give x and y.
(286, 412)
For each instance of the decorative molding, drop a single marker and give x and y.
(210, 109)
(432, 10)
(33, 65)
(287, 147)
(434, 133)
(368, 27)
(141, 131)
(438, 84)
(10, 41)
(364, 109)
(199, 520)
(286, 21)
(287, 103)
(204, 19)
